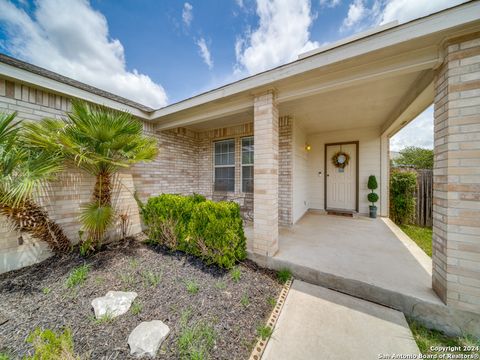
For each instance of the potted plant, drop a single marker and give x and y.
(372, 197)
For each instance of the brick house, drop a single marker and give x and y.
(268, 140)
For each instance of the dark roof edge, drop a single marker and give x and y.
(69, 81)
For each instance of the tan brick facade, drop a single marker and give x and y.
(285, 171)
(265, 225)
(184, 166)
(175, 170)
(64, 197)
(456, 208)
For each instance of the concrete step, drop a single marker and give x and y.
(430, 311)
(318, 323)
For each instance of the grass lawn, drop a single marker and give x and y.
(421, 235)
(426, 339)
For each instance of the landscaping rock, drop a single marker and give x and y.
(114, 303)
(146, 338)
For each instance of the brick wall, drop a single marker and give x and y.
(285, 171)
(175, 170)
(456, 198)
(184, 165)
(63, 196)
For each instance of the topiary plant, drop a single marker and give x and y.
(372, 183)
(372, 197)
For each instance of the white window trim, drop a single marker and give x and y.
(224, 166)
(241, 162)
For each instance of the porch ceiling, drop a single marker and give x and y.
(371, 103)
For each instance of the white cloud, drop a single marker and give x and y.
(418, 133)
(360, 16)
(187, 14)
(240, 3)
(330, 3)
(205, 53)
(71, 38)
(282, 34)
(406, 10)
(356, 12)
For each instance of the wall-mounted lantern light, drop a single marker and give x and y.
(308, 147)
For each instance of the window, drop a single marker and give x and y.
(225, 165)
(247, 164)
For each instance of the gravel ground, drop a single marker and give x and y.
(37, 296)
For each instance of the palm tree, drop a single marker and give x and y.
(24, 172)
(99, 141)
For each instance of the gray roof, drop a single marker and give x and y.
(66, 80)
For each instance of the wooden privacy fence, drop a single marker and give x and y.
(424, 197)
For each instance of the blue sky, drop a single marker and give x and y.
(160, 52)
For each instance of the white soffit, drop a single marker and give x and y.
(349, 39)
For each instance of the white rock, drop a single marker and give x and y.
(113, 304)
(147, 337)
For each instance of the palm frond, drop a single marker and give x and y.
(8, 127)
(96, 218)
(26, 173)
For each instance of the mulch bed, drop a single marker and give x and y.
(37, 297)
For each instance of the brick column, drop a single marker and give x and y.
(265, 225)
(456, 198)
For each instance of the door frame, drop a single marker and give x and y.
(357, 157)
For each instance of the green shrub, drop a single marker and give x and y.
(49, 345)
(372, 197)
(167, 217)
(217, 231)
(210, 230)
(402, 200)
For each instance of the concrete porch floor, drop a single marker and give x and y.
(371, 259)
(371, 251)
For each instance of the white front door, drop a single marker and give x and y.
(341, 191)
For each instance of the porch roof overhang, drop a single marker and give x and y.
(386, 76)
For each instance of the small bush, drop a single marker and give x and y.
(4, 356)
(402, 200)
(49, 345)
(210, 230)
(217, 231)
(77, 276)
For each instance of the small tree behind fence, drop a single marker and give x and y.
(424, 198)
(402, 196)
(411, 201)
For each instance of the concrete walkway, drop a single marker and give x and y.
(318, 323)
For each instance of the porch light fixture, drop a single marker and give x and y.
(308, 147)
